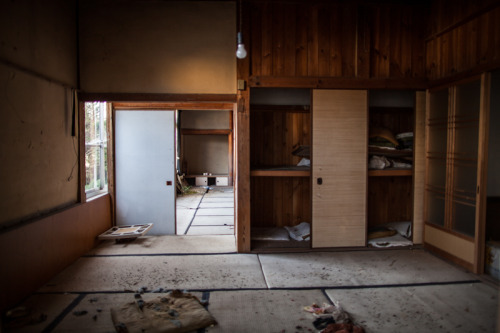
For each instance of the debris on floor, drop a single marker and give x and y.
(332, 318)
(22, 316)
(126, 232)
(174, 312)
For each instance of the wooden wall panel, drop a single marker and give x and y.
(463, 38)
(280, 201)
(327, 39)
(274, 135)
(388, 200)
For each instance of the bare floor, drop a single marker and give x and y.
(406, 290)
(206, 211)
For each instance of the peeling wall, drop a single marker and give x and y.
(37, 72)
(158, 46)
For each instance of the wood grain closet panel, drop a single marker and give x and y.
(388, 199)
(340, 160)
(326, 39)
(463, 40)
(275, 135)
(301, 40)
(280, 201)
(278, 39)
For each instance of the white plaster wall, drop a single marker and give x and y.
(157, 46)
(206, 153)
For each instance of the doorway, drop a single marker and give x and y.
(205, 199)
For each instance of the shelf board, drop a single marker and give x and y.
(390, 172)
(281, 172)
(280, 108)
(190, 131)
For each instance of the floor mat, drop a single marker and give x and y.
(357, 268)
(263, 311)
(445, 308)
(169, 272)
(168, 244)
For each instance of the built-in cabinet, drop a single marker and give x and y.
(337, 194)
(280, 190)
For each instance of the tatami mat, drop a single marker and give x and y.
(444, 308)
(263, 310)
(42, 311)
(220, 204)
(357, 268)
(211, 230)
(215, 211)
(168, 244)
(128, 273)
(213, 220)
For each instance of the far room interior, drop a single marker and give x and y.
(205, 197)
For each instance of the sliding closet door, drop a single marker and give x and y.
(456, 135)
(339, 168)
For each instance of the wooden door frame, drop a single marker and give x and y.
(148, 102)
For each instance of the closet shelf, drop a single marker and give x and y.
(283, 171)
(390, 172)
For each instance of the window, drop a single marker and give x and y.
(96, 152)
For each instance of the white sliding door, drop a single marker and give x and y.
(145, 169)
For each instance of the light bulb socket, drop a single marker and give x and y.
(240, 38)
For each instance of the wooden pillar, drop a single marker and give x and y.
(242, 137)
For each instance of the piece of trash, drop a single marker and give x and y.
(318, 310)
(121, 328)
(94, 317)
(80, 313)
(20, 311)
(322, 322)
(175, 312)
(140, 304)
(93, 300)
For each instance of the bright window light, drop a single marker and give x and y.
(96, 148)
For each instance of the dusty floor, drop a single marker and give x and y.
(206, 211)
(384, 291)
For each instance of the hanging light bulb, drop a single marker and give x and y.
(241, 53)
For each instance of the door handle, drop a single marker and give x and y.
(319, 181)
(169, 183)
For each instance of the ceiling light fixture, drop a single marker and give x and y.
(241, 53)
